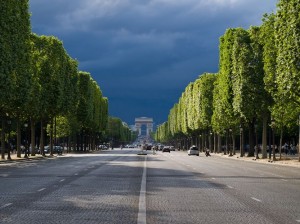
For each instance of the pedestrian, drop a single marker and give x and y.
(207, 152)
(286, 148)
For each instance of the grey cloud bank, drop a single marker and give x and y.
(143, 53)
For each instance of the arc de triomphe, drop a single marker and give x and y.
(144, 121)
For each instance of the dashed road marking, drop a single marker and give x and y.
(42, 189)
(4, 175)
(230, 187)
(142, 200)
(213, 178)
(255, 199)
(62, 180)
(298, 220)
(76, 174)
(6, 205)
(283, 180)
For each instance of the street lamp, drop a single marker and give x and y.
(241, 141)
(200, 142)
(210, 141)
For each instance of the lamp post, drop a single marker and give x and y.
(200, 142)
(241, 141)
(256, 145)
(210, 142)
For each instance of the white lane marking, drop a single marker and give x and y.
(42, 189)
(230, 187)
(142, 200)
(283, 180)
(62, 180)
(76, 174)
(298, 220)
(6, 205)
(255, 199)
(4, 175)
(213, 178)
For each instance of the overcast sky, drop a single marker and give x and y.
(143, 53)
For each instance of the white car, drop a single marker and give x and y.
(193, 151)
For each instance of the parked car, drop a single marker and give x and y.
(47, 149)
(160, 148)
(56, 149)
(193, 151)
(166, 149)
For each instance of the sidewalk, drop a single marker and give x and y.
(14, 158)
(289, 160)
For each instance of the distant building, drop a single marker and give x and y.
(144, 121)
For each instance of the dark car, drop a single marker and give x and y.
(166, 149)
(58, 149)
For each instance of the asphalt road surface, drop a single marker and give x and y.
(119, 186)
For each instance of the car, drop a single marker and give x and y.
(56, 149)
(193, 151)
(166, 149)
(160, 148)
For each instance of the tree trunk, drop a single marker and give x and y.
(51, 137)
(200, 142)
(3, 139)
(32, 126)
(226, 143)
(42, 139)
(69, 144)
(299, 141)
(274, 156)
(264, 137)
(241, 143)
(280, 143)
(251, 141)
(215, 142)
(18, 138)
(233, 143)
(219, 143)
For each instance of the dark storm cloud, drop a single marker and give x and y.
(143, 53)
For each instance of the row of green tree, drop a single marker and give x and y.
(258, 84)
(41, 87)
(118, 133)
